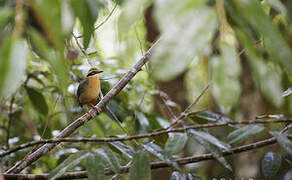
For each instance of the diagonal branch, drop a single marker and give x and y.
(155, 165)
(140, 136)
(86, 117)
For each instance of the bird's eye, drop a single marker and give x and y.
(91, 74)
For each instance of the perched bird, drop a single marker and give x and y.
(89, 89)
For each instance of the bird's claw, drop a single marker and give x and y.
(97, 109)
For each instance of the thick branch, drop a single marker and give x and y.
(86, 117)
(154, 165)
(140, 136)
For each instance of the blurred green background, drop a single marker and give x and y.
(242, 48)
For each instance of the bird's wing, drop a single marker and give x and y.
(81, 88)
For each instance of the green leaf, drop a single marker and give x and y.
(225, 75)
(158, 152)
(61, 69)
(5, 15)
(154, 149)
(209, 138)
(123, 148)
(143, 121)
(172, 55)
(95, 167)
(132, 11)
(13, 57)
(67, 18)
(157, 123)
(55, 59)
(203, 117)
(243, 133)
(289, 162)
(287, 92)
(109, 158)
(177, 176)
(271, 164)
(193, 176)
(175, 143)
(87, 12)
(140, 167)
(278, 6)
(284, 142)
(39, 44)
(267, 79)
(252, 12)
(38, 101)
(70, 162)
(213, 145)
(48, 16)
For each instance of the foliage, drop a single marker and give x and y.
(243, 48)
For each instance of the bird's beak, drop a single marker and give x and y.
(99, 71)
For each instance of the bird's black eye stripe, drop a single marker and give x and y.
(91, 74)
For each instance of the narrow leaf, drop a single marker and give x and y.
(278, 6)
(87, 12)
(56, 59)
(243, 133)
(95, 168)
(123, 148)
(154, 149)
(209, 138)
(213, 145)
(110, 159)
(287, 92)
(267, 79)
(158, 152)
(284, 142)
(48, 15)
(193, 176)
(5, 15)
(225, 75)
(271, 164)
(140, 167)
(13, 55)
(70, 162)
(38, 101)
(175, 143)
(177, 176)
(205, 116)
(132, 11)
(252, 12)
(194, 37)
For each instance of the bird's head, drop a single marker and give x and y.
(93, 71)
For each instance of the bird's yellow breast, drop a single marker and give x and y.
(91, 91)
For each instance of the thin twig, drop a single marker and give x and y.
(115, 117)
(140, 136)
(18, 28)
(104, 21)
(86, 117)
(155, 165)
(139, 41)
(183, 114)
(109, 78)
(10, 113)
(82, 50)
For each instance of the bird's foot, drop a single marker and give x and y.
(91, 114)
(97, 109)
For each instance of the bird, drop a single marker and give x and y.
(89, 89)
